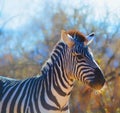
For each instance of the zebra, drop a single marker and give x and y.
(70, 60)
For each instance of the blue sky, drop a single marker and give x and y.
(24, 9)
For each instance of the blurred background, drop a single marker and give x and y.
(30, 29)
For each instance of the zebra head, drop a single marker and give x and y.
(81, 64)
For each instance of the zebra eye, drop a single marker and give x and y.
(80, 56)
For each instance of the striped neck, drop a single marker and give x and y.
(57, 62)
(54, 71)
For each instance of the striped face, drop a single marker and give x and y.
(81, 64)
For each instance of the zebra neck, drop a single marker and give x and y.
(56, 66)
(57, 74)
(58, 85)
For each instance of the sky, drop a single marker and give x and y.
(21, 10)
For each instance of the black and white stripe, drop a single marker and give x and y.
(48, 93)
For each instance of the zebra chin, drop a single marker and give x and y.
(96, 86)
(99, 80)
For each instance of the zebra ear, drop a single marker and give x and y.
(90, 38)
(67, 39)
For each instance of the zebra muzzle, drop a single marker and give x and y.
(99, 80)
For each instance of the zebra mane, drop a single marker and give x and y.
(78, 36)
